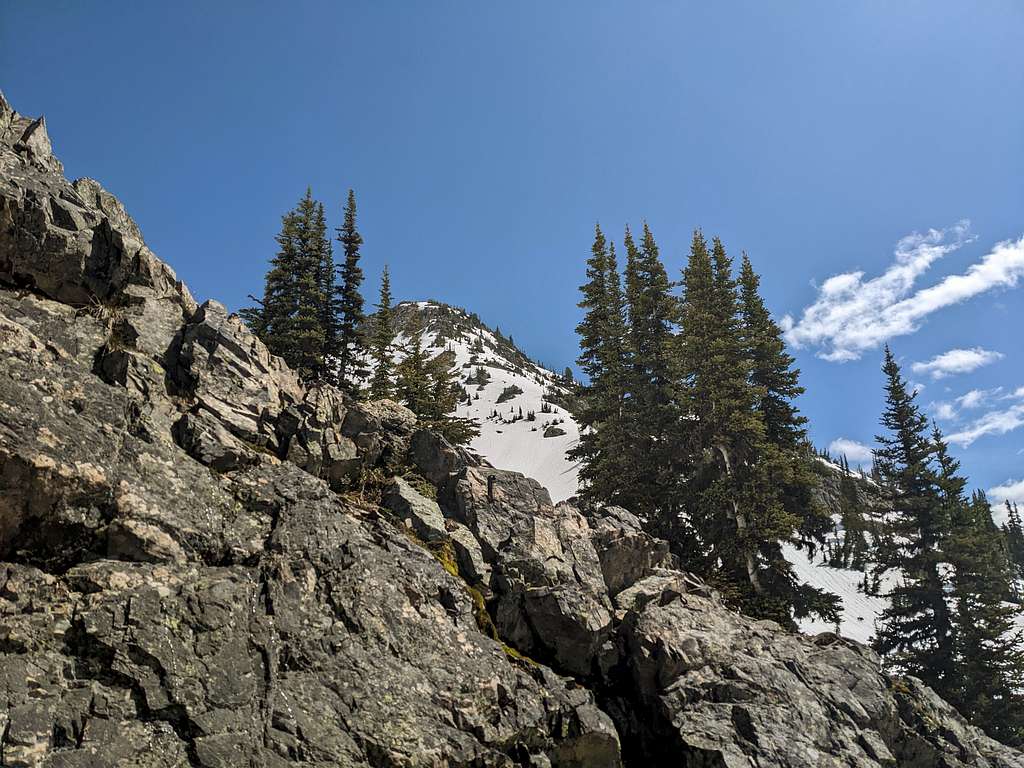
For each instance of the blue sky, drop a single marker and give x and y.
(483, 140)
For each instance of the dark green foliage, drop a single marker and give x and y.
(382, 341)
(508, 393)
(600, 406)
(917, 632)
(648, 472)
(1013, 531)
(990, 660)
(290, 317)
(675, 424)
(749, 490)
(348, 302)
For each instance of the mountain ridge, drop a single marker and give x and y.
(205, 561)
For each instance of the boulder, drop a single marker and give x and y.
(550, 600)
(627, 553)
(231, 375)
(415, 510)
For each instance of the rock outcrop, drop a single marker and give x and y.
(204, 561)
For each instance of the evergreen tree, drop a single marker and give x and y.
(349, 303)
(1013, 530)
(288, 318)
(916, 632)
(602, 358)
(382, 340)
(990, 661)
(777, 383)
(649, 463)
(736, 502)
(321, 244)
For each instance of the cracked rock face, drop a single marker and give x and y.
(197, 566)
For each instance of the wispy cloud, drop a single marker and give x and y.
(956, 361)
(858, 453)
(852, 315)
(995, 422)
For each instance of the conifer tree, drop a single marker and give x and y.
(382, 340)
(1013, 530)
(321, 244)
(649, 462)
(599, 406)
(349, 302)
(777, 383)
(990, 664)
(287, 319)
(737, 507)
(916, 632)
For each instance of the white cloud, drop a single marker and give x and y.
(943, 411)
(976, 398)
(855, 452)
(956, 361)
(852, 315)
(1011, 490)
(997, 422)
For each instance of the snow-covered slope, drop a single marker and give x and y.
(487, 365)
(510, 439)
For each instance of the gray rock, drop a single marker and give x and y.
(626, 551)
(233, 376)
(414, 509)
(470, 558)
(204, 602)
(208, 442)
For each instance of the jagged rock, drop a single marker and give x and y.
(437, 459)
(233, 376)
(551, 600)
(331, 436)
(156, 613)
(421, 514)
(626, 551)
(469, 557)
(208, 442)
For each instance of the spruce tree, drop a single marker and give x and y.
(349, 303)
(916, 631)
(325, 280)
(990, 664)
(737, 498)
(382, 341)
(649, 463)
(288, 318)
(1013, 530)
(600, 402)
(777, 383)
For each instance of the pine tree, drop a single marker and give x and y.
(382, 341)
(349, 303)
(736, 502)
(288, 318)
(777, 383)
(649, 464)
(321, 243)
(916, 633)
(1013, 530)
(990, 664)
(602, 358)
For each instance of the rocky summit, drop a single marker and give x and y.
(204, 561)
